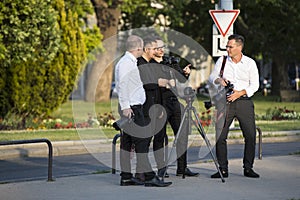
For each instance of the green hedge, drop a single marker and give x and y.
(43, 48)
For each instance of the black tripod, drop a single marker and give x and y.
(189, 96)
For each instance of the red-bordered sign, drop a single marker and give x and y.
(224, 19)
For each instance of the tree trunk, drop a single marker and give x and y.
(100, 76)
(279, 75)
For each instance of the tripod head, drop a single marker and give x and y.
(189, 95)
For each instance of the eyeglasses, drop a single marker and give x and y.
(159, 48)
(230, 47)
(150, 48)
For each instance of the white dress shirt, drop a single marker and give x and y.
(243, 75)
(128, 82)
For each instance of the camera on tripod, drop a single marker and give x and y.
(215, 100)
(122, 123)
(189, 93)
(170, 60)
(173, 62)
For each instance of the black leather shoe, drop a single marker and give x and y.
(161, 172)
(217, 175)
(131, 181)
(250, 173)
(187, 172)
(140, 176)
(156, 182)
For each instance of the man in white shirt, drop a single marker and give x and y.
(131, 96)
(242, 72)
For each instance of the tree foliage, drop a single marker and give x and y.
(43, 48)
(270, 27)
(30, 40)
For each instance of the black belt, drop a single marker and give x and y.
(244, 97)
(136, 106)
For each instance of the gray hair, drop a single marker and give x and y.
(134, 42)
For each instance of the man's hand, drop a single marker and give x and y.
(187, 69)
(127, 112)
(221, 81)
(166, 83)
(235, 95)
(162, 82)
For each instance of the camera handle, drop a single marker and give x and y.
(188, 111)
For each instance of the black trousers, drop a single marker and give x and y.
(155, 121)
(174, 116)
(141, 145)
(243, 111)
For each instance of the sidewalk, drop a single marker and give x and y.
(280, 180)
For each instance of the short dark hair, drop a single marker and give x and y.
(238, 39)
(148, 40)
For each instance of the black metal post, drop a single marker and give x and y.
(114, 142)
(50, 152)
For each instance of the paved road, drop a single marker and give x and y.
(34, 168)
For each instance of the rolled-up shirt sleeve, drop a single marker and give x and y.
(253, 79)
(243, 75)
(216, 71)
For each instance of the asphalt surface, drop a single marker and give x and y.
(36, 168)
(280, 180)
(80, 176)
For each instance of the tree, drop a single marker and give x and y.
(272, 27)
(42, 51)
(100, 76)
(30, 40)
(185, 25)
(267, 31)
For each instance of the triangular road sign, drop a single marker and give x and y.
(224, 19)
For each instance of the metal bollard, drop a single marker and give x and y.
(50, 152)
(114, 142)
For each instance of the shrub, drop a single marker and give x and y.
(278, 113)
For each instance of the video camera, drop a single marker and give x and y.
(189, 93)
(227, 90)
(173, 62)
(122, 123)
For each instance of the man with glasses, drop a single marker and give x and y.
(173, 107)
(241, 71)
(131, 96)
(147, 73)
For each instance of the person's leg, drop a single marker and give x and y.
(221, 140)
(176, 121)
(246, 118)
(158, 148)
(125, 147)
(221, 143)
(142, 145)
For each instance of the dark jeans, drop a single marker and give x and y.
(141, 145)
(243, 111)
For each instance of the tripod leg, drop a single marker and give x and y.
(188, 120)
(186, 112)
(202, 133)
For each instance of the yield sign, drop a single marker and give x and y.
(224, 19)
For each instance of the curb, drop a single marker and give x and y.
(63, 148)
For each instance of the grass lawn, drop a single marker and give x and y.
(78, 111)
